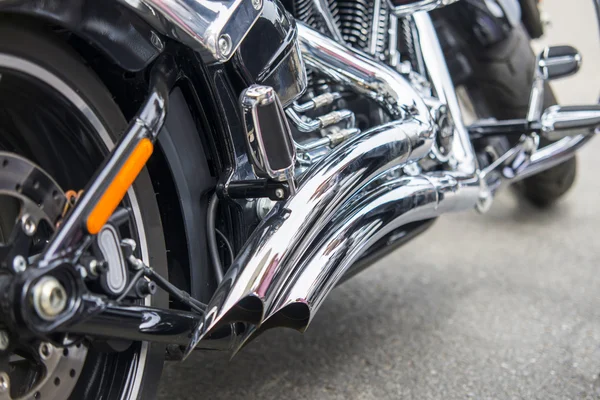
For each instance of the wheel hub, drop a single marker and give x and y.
(50, 372)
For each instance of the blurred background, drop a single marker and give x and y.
(505, 305)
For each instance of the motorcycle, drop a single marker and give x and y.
(272, 151)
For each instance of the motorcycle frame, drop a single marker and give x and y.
(94, 315)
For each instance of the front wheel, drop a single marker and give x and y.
(56, 113)
(500, 88)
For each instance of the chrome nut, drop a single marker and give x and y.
(49, 298)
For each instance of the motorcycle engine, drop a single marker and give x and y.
(370, 27)
(366, 25)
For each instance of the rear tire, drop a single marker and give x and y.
(502, 78)
(532, 19)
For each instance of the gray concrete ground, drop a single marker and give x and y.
(499, 306)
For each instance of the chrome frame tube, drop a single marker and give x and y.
(437, 69)
(418, 6)
(545, 158)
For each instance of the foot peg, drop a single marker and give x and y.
(271, 148)
(562, 121)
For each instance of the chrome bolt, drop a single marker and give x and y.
(225, 45)
(49, 298)
(156, 41)
(94, 267)
(129, 242)
(279, 193)
(257, 4)
(4, 382)
(4, 341)
(28, 225)
(19, 264)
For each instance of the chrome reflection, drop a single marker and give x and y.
(275, 247)
(213, 28)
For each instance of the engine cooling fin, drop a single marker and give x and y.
(362, 23)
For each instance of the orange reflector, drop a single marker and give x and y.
(118, 187)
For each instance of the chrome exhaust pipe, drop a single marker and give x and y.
(357, 71)
(272, 251)
(355, 229)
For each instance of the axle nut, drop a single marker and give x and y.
(49, 298)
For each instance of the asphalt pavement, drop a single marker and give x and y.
(500, 306)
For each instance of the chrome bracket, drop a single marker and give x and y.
(269, 139)
(213, 28)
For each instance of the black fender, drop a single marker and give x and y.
(119, 33)
(183, 199)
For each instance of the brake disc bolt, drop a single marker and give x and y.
(45, 350)
(4, 382)
(4, 341)
(28, 224)
(257, 4)
(49, 298)
(19, 264)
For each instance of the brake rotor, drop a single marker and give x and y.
(42, 204)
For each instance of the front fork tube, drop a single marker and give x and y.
(118, 171)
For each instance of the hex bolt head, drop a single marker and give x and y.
(4, 340)
(4, 382)
(19, 264)
(49, 298)
(28, 224)
(224, 45)
(279, 193)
